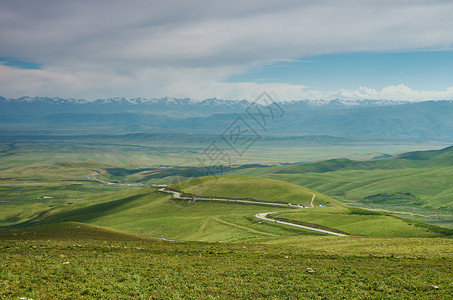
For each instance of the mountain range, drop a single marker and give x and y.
(429, 120)
(184, 106)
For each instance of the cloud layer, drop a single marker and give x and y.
(188, 49)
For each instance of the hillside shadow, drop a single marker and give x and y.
(83, 214)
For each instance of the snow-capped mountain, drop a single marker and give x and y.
(184, 102)
(384, 118)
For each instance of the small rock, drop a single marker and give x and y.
(62, 255)
(433, 287)
(286, 257)
(66, 263)
(309, 270)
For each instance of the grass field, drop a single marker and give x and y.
(416, 185)
(363, 222)
(75, 260)
(143, 150)
(66, 235)
(27, 192)
(154, 214)
(143, 210)
(253, 187)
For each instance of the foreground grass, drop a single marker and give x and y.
(75, 260)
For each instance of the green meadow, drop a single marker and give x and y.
(74, 260)
(254, 188)
(88, 228)
(151, 150)
(416, 185)
(144, 210)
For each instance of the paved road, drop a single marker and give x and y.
(178, 196)
(261, 216)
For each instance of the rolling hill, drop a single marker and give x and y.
(143, 210)
(253, 188)
(415, 184)
(95, 240)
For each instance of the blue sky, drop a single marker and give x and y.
(427, 70)
(19, 63)
(293, 49)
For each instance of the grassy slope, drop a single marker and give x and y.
(152, 213)
(418, 159)
(134, 209)
(142, 210)
(27, 192)
(70, 231)
(80, 261)
(146, 211)
(366, 223)
(333, 216)
(253, 187)
(426, 175)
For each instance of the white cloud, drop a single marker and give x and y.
(187, 49)
(199, 84)
(394, 92)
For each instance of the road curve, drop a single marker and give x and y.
(261, 216)
(178, 196)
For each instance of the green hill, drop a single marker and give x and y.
(443, 156)
(254, 188)
(69, 231)
(146, 211)
(415, 184)
(333, 215)
(418, 159)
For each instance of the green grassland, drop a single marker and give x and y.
(416, 185)
(143, 210)
(252, 187)
(66, 235)
(152, 213)
(28, 192)
(141, 150)
(366, 223)
(73, 260)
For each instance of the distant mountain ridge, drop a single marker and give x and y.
(188, 101)
(172, 107)
(423, 121)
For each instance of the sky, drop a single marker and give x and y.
(293, 50)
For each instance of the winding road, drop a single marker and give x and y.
(261, 216)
